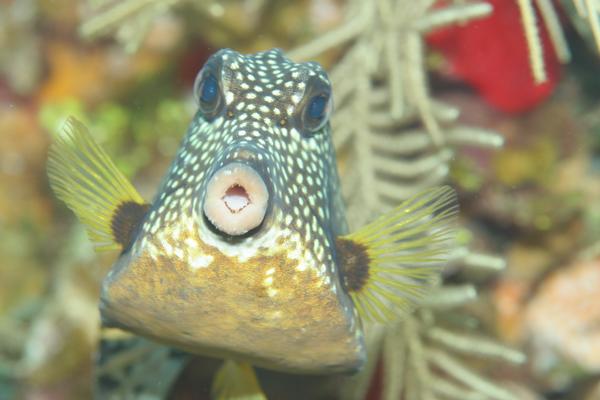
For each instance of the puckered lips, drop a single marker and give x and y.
(236, 199)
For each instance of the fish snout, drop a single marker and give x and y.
(236, 199)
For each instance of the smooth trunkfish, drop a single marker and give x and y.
(244, 253)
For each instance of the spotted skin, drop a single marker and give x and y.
(272, 297)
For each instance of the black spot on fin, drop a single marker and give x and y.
(85, 178)
(126, 220)
(389, 264)
(354, 263)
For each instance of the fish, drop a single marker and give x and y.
(245, 253)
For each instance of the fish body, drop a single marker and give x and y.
(275, 296)
(244, 253)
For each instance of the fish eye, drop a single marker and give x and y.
(208, 94)
(209, 89)
(316, 112)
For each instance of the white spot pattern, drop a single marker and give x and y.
(260, 123)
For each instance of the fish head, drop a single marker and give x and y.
(236, 256)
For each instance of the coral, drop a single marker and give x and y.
(129, 20)
(50, 337)
(386, 121)
(252, 25)
(563, 316)
(534, 38)
(108, 17)
(584, 15)
(585, 9)
(126, 364)
(497, 69)
(423, 355)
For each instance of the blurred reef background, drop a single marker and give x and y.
(500, 98)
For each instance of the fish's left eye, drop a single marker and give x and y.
(316, 112)
(210, 89)
(208, 94)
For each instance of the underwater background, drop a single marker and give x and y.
(498, 98)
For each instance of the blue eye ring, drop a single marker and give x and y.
(317, 107)
(209, 89)
(316, 111)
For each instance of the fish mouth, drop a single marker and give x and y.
(237, 197)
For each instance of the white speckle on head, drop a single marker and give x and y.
(229, 96)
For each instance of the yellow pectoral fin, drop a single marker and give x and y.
(84, 177)
(388, 264)
(236, 381)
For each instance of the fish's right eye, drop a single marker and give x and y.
(209, 90)
(208, 94)
(316, 112)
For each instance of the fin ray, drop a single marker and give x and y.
(236, 381)
(394, 220)
(85, 178)
(394, 259)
